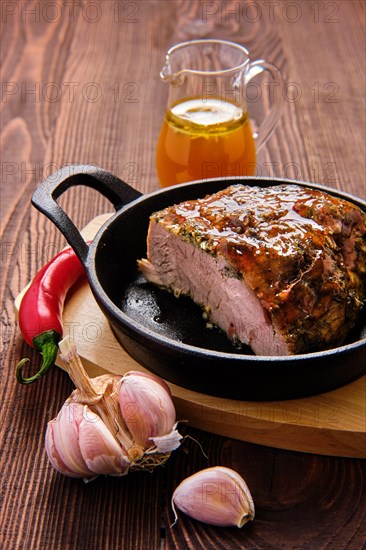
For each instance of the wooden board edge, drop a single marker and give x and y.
(258, 431)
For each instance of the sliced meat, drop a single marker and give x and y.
(281, 268)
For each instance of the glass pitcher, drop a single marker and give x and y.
(206, 132)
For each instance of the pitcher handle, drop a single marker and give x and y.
(269, 123)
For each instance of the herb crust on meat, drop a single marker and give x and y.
(280, 268)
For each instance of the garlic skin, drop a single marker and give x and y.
(216, 496)
(79, 444)
(148, 411)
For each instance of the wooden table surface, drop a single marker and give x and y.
(80, 84)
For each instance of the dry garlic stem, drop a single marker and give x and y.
(100, 393)
(111, 423)
(217, 496)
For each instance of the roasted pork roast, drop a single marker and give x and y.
(281, 269)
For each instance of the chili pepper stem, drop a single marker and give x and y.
(47, 344)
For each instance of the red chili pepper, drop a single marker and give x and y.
(40, 312)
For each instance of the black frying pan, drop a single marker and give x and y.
(168, 335)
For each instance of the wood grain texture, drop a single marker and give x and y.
(71, 75)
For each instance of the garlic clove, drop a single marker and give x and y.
(147, 410)
(160, 381)
(100, 451)
(53, 455)
(217, 496)
(62, 442)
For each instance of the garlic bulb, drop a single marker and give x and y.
(111, 424)
(217, 496)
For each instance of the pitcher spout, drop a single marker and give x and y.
(166, 71)
(168, 75)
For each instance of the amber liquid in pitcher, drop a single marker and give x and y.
(200, 140)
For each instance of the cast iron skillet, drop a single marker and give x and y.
(168, 335)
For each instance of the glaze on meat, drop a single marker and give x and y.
(280, 268)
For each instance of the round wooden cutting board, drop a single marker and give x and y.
(333, 423)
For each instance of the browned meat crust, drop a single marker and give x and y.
(302, 252)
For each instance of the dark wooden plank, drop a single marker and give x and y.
(102, 60)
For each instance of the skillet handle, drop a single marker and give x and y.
(45, 198)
